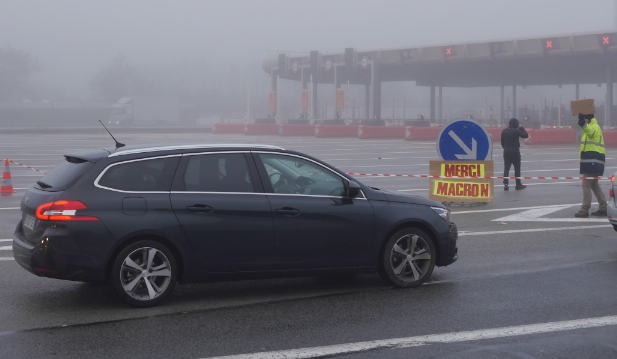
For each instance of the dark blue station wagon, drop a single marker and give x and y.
(145, 218)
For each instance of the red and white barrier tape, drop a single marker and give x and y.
(421, 176)
(462, 177)
(21, 164)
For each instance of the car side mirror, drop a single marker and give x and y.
(353, 189)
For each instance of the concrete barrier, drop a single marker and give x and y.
(221, 128)
(421, 133)
(296, 130)
(496, 133)
(381, 132)
(610, 138)
(550, 136)
(336, 131)
(261, 129)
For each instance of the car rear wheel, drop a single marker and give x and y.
(144, 273)
(408, 258)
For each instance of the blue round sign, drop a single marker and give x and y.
(464, 140)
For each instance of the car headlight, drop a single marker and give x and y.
(442, 212)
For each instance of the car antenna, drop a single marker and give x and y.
(118, 144)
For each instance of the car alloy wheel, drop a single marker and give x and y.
(144, 273)
(408, 259)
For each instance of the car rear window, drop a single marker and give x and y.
(64, 175)
(152, 175)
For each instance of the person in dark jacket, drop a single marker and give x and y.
(511, 151)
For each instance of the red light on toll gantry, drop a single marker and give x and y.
(449, 51)
(549, 44)
(606, 40)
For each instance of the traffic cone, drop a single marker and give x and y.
(6, 186)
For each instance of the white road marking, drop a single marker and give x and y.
(9, 208)
(469, 233)
(6, 248)
(7, 259)
(454, 337)
(535, 215)
(6, 240)
(516, 209)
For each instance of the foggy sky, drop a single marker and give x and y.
(75, 38)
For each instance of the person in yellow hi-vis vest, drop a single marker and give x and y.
(593, 157)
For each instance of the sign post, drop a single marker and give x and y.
(465, 148)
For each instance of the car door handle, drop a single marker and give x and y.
(199, 208)
(288, 211)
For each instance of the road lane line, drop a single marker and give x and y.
(516, 209)
(454, 337)
(7, 259)
(6, 240)
(10, 208)
(470, 233)
(6, 248)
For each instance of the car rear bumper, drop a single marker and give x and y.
(54, 257)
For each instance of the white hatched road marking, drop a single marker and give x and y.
(6, 240)
(454, 337)
(7, 259)
(471, 233)
(6, 248)
(516, 209)
(9, 208)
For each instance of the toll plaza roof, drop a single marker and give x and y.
(579, 58)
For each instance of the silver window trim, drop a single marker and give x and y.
(318, 164)
(96, 181)
(262, 194)
(189, 147)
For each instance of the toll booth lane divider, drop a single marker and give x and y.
(261, 129)
(421, 133)
(296, 130)
(381, 132)
(550, 136)
(225, 128)
(336, 131)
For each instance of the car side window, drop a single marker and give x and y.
(289, 174)
(151, 175)
(218, 172)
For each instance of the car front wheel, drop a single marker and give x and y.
(408, 258)
(144, 273)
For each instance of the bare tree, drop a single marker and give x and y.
(16, 66)
(117, 79)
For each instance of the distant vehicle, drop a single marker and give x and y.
(145, 111)
(145, 218)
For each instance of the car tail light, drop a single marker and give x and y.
(62, 211)
(611, 192)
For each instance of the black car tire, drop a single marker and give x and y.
(123, 274)
(422, 258)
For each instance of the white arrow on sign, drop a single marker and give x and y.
(471, 154)
(534, 215)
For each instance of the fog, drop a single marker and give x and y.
(212, 48)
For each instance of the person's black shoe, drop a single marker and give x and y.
(600, 213)
(520, 187)
(505, 187)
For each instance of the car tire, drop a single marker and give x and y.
(144, 273)
(408, 258)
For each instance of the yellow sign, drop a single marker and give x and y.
(461, 181)
(462, 169)
(462, 189)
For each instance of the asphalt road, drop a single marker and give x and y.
(524, 261)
